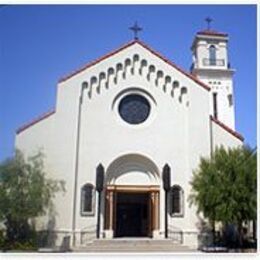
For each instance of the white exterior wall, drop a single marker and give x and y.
(218, 78)
(161, 139)
(177, 132)
(221, 137)
(43, 136)
(223, 86)
(201, 48)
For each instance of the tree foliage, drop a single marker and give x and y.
(25, 193)
(224, 186)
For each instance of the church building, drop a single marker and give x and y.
(125, 124)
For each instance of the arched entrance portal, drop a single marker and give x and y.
(132, 197)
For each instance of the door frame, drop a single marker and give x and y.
(153, 205)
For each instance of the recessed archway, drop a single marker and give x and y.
(132, 169)
(132, 196)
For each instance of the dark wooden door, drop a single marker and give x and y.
(132, 215)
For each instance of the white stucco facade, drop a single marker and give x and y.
(86, 130)
(214, 70)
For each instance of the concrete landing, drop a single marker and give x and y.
(132, 245)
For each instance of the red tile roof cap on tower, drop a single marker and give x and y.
(228, 129)
(34, 121)
(212, 33)
(146, 47)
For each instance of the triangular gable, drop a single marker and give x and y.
(204, 86)
(200, 83)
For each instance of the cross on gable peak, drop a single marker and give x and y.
(136, 29)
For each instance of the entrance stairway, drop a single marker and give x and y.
(132, 245)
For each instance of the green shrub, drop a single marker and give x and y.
(23, 246)
(29, 244)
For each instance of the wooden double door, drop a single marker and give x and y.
(132, 211)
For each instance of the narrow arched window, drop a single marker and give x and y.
(212, 55)
(87, 199)
(230, 100)
(176, 201)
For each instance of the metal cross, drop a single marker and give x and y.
(208, 20)
(135, 29)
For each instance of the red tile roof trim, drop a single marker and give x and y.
(36, 120)
(94, 62)
(228, 129)
(146, 47)
(211, 32)
(175, 66)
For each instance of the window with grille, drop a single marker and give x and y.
(176, 201)
(87, 199)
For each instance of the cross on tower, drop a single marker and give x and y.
(135, 28)
(208, 20)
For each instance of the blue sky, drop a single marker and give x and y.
(40, 44)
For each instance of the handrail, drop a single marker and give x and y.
(175, 234)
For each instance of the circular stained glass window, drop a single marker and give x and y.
(134, 109)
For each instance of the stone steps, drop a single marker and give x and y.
(132, 245)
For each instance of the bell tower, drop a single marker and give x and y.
(211, 66)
